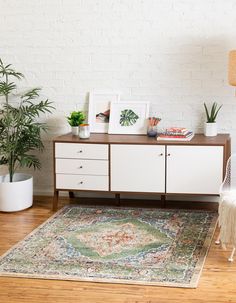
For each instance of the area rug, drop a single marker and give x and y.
(115, 245)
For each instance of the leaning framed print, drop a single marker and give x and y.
(129, 117)
(99, 110)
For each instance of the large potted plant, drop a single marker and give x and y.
(210, 128)
(20, 137)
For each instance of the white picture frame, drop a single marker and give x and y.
(99, 104)
(129, 117)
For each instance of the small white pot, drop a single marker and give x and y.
(210, 129)
(75, 130)
(16, 195)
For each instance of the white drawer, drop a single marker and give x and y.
(81, 151)
(82, 167)
(82, 182)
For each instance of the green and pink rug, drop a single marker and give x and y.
(115, 245)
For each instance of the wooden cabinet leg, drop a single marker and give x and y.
(71, 194)
(55, 200)
(117, 196)
(163, 201)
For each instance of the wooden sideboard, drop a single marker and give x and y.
(139, 164)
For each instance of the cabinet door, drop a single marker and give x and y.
(137, 168)
(194, 169)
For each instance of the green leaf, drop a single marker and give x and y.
(213, 113)
(76, 118)
(128, 117)
(6, 88)
(207, 113)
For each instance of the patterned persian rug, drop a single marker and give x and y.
(116, 245)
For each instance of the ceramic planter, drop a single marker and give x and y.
(75, 130)
(210, 129)
(16, 195)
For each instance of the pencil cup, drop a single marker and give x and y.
(152, 130)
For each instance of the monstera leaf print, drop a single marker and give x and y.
(128, 117)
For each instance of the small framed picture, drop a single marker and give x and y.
(99, 110)
(129, 117)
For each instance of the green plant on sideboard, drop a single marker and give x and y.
(76, 118)
(210, 127)
(212, 113)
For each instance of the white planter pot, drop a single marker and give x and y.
(210, 129)
(16, 195)
(75, 130)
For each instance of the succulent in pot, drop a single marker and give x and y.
(75, 119)
(20, 138)
(210, 128)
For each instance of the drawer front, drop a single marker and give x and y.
(82, 167)
(82, 182)
(81, 151)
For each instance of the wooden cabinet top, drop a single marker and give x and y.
(198, 139)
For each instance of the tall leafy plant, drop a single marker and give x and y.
(20, 130)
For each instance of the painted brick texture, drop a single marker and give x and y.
(170, 52)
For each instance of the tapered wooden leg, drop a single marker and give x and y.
(163, 201)
(117, 196)
(71, 194)
(217, 241)
(55, 200)
(231, 258)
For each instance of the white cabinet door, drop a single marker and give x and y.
(194, 169)
(138, 168)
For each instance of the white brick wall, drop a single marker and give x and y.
(171, 52)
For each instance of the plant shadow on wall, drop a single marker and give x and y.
(20, 134)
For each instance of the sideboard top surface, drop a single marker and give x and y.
(198, 139)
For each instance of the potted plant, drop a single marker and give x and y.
(75, 119)
(20, 133)
(210, 128)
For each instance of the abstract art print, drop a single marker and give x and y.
(129, 117)
(99, 110)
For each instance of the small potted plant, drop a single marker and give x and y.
(210, 129)
(20, 134)
(75, 119)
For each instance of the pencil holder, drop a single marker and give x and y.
(152, 130)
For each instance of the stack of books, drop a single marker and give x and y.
(176, 133)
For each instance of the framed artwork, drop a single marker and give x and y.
(99, 110)
(129, 117)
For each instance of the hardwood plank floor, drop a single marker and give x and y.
(217, 282)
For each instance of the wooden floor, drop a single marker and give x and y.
(217, 282)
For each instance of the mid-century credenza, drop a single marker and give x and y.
(139, 164)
